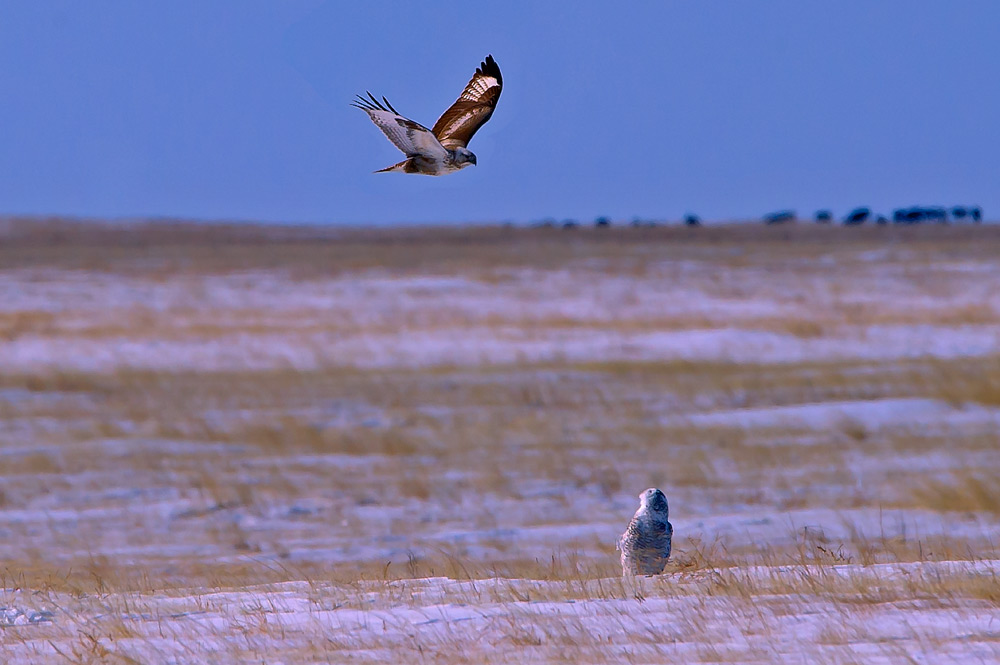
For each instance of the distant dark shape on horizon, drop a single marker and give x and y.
(442, 149)
(918, 214)
(602, 222)
(824, 216)
(780, 217)
(857, 216)
(937, 214)
(570, 224)
(975, 213)
(882, 220)
(692, 220)
(907, 215)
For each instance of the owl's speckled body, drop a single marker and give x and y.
(645, 545)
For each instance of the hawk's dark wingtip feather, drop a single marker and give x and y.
(365, 105)
(489, 67)
(373, 104)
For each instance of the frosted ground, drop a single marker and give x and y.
(255, 444)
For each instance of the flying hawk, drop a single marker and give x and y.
(442, 149)
(645, 545)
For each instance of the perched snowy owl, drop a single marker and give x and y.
(645, 545)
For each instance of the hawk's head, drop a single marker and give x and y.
(653, 500)
(464, 157)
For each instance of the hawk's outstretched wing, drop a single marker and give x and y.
(411, 137)
(456, 126)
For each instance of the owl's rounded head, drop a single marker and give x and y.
(654, 500)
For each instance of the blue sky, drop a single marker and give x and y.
(239, 109)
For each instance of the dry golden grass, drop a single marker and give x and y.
(969, 491)
(497, 618)
(168, 245)
(330, 511)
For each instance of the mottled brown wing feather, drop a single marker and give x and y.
(457, 125)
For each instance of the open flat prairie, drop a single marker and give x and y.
(242, 443)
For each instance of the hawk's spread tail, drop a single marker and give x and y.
(399, 167)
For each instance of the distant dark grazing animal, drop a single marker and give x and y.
(780, 217)
(857, 216)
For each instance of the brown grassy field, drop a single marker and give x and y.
(243, 443)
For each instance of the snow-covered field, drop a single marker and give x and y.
(255, 444)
